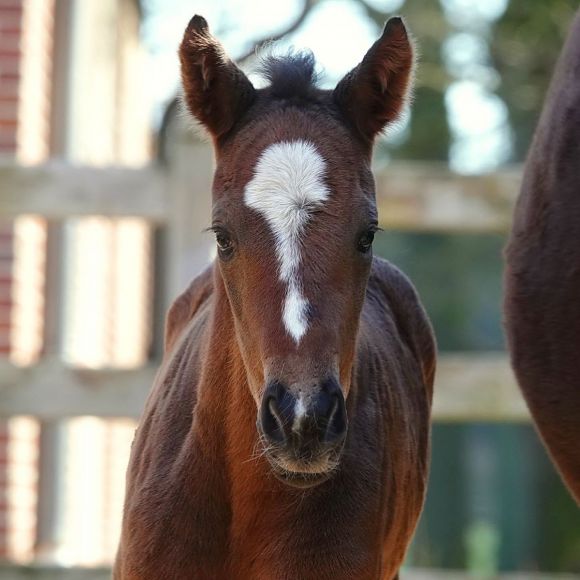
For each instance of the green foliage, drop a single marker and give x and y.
(422, 144)
(459, 280)
(428, 137)
(525, 45)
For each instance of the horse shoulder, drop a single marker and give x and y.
(186, 305)
(176, 380)
(395, 375)
(167, 414)
(389, 287)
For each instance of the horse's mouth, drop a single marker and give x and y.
(301, 474)
(301, 480)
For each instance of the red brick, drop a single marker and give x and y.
(9, 75)
(11, 23)
(7, 150)
(6, 250)
(11, 124)
(9, 99)
(10, 36)
(9, 65)
(9, 89)
(8, 141)
(10, 6)
(10, 52)
(8, 110)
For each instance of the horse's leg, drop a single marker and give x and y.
(542, 304)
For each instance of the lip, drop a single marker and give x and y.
(309, 476)
(300, 479)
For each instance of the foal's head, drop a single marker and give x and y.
(294, 216)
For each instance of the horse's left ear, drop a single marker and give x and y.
(215, 90)
(372, 94)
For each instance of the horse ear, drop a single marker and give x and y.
(216, 91)
(372, 94)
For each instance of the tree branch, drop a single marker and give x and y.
(297, 23)
(378, 16)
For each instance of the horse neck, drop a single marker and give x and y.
(226, 406)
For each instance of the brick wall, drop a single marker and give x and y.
(26, 134)
(11, 12)
(10, 31)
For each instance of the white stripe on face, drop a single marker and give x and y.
(287, 185)
(299, 414)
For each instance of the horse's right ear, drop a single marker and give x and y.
(372, 95)
(216, 91)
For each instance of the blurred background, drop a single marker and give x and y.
(104, 192)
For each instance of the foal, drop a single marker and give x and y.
(287, 433)
(542, 303)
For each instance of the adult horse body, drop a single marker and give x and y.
(542, 303)
(287, 433)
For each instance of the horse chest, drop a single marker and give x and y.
(288, 536)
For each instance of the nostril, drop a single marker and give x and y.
(272, 425)
(336, 425)
(324, 405)
(276, 412)
(332, 408)
(276, 415)
(303, 422)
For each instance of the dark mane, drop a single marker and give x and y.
(289, 75)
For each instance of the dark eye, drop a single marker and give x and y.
(365, 242)
(224, 243)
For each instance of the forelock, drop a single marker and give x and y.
(289, 75)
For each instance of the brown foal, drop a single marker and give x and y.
(287, 432)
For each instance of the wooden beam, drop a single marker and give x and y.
(410, 196)
(59, 190)
(430, 197)
(477, 387)
(468, 388)
(51, 390)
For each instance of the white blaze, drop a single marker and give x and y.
(287, 185)
(299, 414)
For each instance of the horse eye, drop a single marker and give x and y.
(365, 242)
(224, 243)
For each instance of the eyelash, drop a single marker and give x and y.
(224, 242)
(365, 241)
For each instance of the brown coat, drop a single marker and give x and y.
(201, 505)
(542, 303)
(218, 487)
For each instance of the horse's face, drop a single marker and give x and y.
(294, 217)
